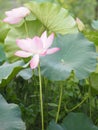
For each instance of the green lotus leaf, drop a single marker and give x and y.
(8, 71)
(26, 73)
(78, 121)
(53, 17)
(95, 24)
(54, 126)
(74, 121)
(77, 54)
(4, 28)
(2, 54)
(10, 116)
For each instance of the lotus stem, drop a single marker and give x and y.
(41, 98)
(59, 105)
(78, 105)
(90, 98)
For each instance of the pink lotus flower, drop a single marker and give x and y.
(16, 15)
(36, 47)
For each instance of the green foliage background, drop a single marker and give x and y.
(86, 10)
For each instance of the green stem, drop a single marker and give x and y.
(46, 99)
(78, 105)
(90, 98)
(41, 98)
(59, 105)
(26, 28)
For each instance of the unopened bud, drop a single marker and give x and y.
(80, 24)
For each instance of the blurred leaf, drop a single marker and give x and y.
(78, 121)
(30, 17)
(8, 71)
(77, 54)
(74, 121)
(96, 69)
(95, 24)
(2, 54)
(54, 126)
(52, 113)
(25, 73)
(45, 0)
(94, 81)
(80, 9)
(34, 28)
(4, 28)
(92, 36)
(52, 104)
(10, 116)
(53, 17)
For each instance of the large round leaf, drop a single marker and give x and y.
(8, 71)
(53, 17)
(34, 28)
(77, 53)
(78, 121)
(54, 126)
(10, 116)
(74, 121)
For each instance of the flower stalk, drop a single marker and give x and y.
(41, 98)
(59, 105)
